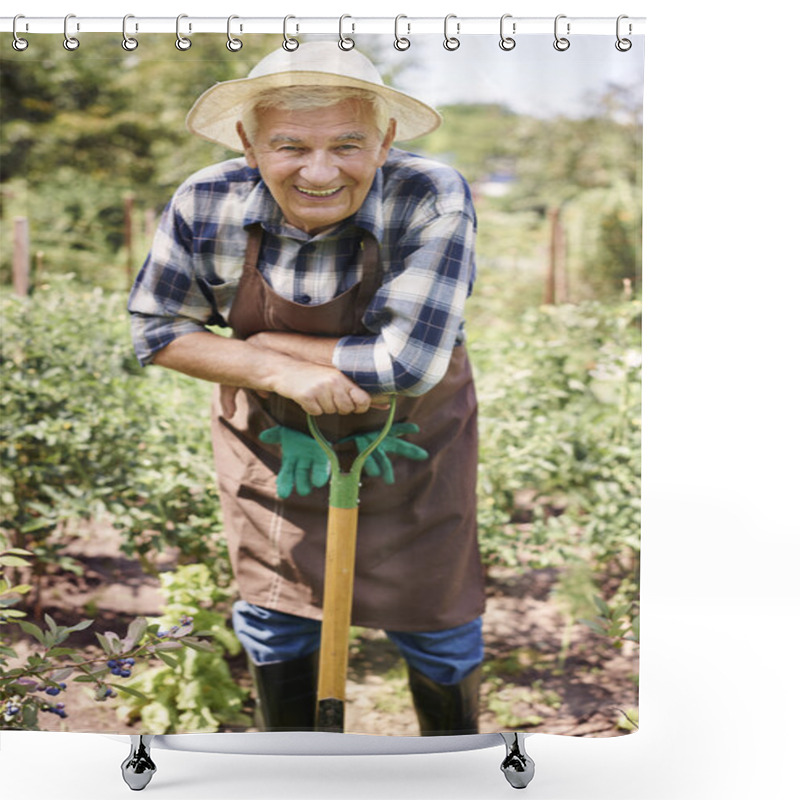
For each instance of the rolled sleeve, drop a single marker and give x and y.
(166, 300)
(417, 314)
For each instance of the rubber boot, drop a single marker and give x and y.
(445, 710)
(286, 694)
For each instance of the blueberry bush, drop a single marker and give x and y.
(29, 686)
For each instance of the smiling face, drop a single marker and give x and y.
(318, 164)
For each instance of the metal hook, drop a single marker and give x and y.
(561, 43)
(19, 43)
(345, 42)
(70, 42)
(623, 45)
(401, 42)
(129, 43)
(181, 42)
(234, 45)
(506, 42)
(451, 42)
(290, 44)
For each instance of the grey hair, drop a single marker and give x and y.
(307, 98)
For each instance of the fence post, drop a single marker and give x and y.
(550, 280)
(21, 264)
(560, 247)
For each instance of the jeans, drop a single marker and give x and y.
(445, 657)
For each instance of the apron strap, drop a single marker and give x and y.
(254, 235)
(371, 274)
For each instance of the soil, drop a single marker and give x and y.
(540, 675)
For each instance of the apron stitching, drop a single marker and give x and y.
(274, 536)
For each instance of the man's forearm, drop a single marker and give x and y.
(230, 362)
(317, 388)
(316, 349)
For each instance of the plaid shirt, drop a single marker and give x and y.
(421, 213)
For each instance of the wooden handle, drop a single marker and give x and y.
(337, 604)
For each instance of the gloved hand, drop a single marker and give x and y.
(378, 462)
(303, 462)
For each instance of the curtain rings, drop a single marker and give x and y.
(401, 42)
(234, 45)
(129, 43)
(290, 44)
(181, 42)
(19, 43)
(70, 42)
(451, 42)
(561, 43)
(507, 42)
(623, 45)
(345, 42)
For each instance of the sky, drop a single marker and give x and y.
(533, 78)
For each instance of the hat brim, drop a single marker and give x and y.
(217, 110)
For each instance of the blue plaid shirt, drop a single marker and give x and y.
(419, 210)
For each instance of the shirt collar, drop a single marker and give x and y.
(260, 207)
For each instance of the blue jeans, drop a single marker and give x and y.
(446, 657)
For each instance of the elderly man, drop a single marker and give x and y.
(341, 265)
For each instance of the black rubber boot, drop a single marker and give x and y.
(286, 694)
(445, 710)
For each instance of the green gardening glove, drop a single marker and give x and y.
(378, 462)
(303, 462)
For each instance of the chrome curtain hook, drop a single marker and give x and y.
(623, 45)
(181, 42)
(19, 43)
(451, 42)
(561, 43)
(290, 44)
(70, 42)
(345, 42)
(234, 45)
(129, 43)
(506, 42)
(401, 42)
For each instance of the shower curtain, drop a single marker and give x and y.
(118, 583)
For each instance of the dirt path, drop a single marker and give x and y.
(531, 681)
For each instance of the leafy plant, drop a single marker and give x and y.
(559, 476)
(193, 691)
(27, 687)
(87, 434)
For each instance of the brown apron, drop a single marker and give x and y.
(417, 562)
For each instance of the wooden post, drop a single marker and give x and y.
(550, 279)
(21, 265)
(561, 282)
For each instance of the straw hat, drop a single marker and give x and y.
(217, 110)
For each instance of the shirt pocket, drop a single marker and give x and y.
(220, 294)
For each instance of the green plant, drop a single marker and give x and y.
(86, 433)
(617, 620)
(26, 687)
(193, 691)
(559, 475)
